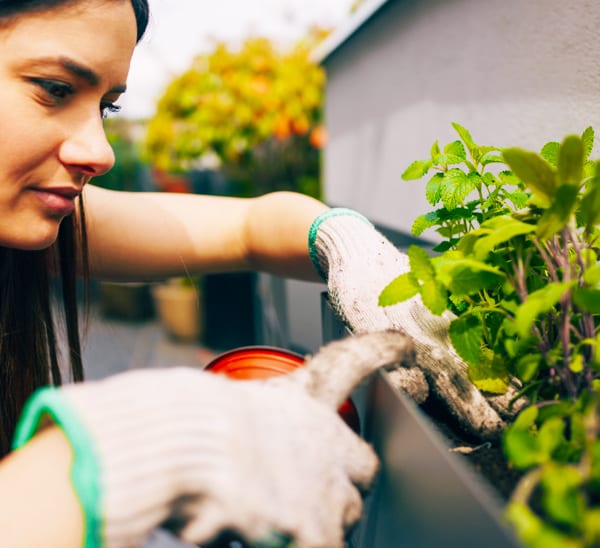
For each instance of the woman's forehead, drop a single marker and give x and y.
(97, 34)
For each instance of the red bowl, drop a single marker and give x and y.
(262, 362)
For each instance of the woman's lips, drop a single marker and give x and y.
(58, 201)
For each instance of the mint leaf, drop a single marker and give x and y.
(434, 296)
(416, 170)
(455, 153)
(587, 137)
(420, 264)
(467, 139)
(489, 374)
(433, 188)
(423, 222)
(533, 170)
(456, 187)
(398, 290)
(467, 276)
(466, 334)
(550, 153)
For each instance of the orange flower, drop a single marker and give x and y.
(318, 137)
(282, 128)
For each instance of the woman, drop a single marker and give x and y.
(104, 463)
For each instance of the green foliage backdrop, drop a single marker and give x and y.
(255, 113)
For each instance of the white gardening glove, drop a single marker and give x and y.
(358, 262)
(201, 453)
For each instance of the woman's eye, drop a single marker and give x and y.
(108, 108)
(55, 91)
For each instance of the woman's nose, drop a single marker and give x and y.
(87, 149)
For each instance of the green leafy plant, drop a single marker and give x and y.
(518, 266)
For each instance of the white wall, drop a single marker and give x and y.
(513, 72)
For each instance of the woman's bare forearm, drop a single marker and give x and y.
(38, 506)
(153, 235)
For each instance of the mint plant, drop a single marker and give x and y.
(518, 265)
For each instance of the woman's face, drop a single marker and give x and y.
(60, 72)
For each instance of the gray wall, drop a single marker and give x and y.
(513, 72)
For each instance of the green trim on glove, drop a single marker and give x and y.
(85, 470)
(314, 229)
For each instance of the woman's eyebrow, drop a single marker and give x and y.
(78, 70)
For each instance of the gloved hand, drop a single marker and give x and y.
(358, 262)
(201, 453)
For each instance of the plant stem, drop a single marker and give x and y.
(526, 486)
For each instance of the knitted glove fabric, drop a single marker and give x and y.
(201, 453)
(358, 262)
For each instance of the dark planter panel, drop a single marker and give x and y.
(229, 310)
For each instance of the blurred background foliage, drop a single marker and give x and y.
(130, 171)
(253, 113)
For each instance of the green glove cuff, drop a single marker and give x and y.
(314, 229)
(85, 470)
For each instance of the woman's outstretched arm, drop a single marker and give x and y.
(153, 235)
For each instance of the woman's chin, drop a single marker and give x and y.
(29, 242)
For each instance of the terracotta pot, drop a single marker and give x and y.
(262, 362)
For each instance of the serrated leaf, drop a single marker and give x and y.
(533, 170)
(399, 290)
(466, 334)
(570, 160)
(416, 170)
(423, 222)
(420, 263)
(509, 178)
(466, 137)
(518, 198)
(491, 157)
(550, 152)
(555, 218)
(456, 150)
(587, 299)
(435, 152)
(539, 302)
(433, 188)
(587, 138)
(434, 296)
(457, 185)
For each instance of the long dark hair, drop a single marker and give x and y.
(29, 282)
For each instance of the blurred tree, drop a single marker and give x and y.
(129, 169)
(254, 113)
